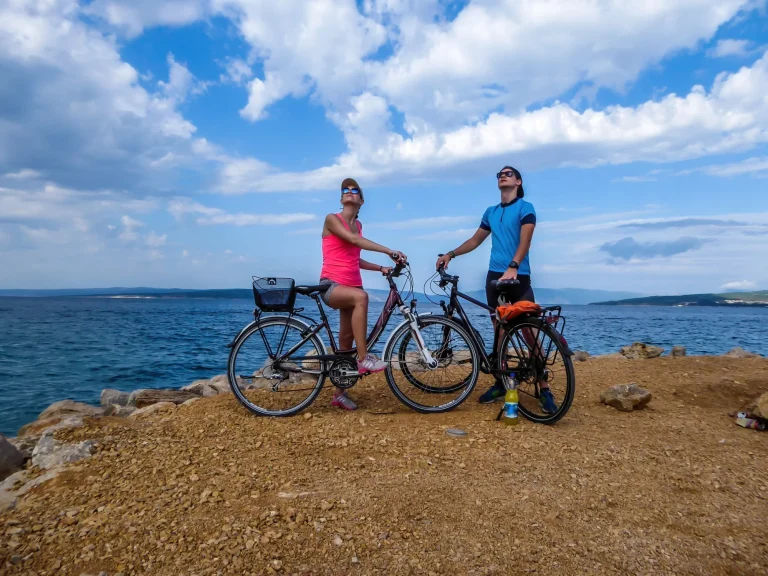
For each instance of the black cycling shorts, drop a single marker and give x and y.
(522, 292)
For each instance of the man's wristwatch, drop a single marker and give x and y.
(514, 265)
(452, 254)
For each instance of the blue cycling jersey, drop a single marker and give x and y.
(504, 222)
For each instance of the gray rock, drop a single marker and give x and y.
(739, 352)
(119, 411)
(49, 475)
(33, 431)
(24, 445)
(626, 397)
(49, 452)
(154, 396)
(580, 356)
(7, 492)
(201, 388)
(190, 401)
(10, 458)
(110, 396)
(641, 351)
(69, 408)
(152, 409)
(678, 351)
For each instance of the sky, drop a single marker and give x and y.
(195, 143)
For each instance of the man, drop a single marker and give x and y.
(510, 225)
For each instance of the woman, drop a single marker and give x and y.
(342, 242)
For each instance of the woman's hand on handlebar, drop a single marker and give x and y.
(398, 257)
(386, 270)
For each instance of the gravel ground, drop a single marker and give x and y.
(677, 488)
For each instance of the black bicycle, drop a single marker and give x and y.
(529, 348)
(278, 363)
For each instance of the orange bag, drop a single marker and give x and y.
(508, 312)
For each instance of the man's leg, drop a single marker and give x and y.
(497, 391)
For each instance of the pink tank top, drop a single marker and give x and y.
(341, 260)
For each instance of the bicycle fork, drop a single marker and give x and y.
(413, 323)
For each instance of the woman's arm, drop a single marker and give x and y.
(365, 265)
(335, 227)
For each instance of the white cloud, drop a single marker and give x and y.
(181, 82)
(156, 255)
(24, 174)
(464, 233)
(132, 17)
(184, 253)
(636, 179)
(739, 285)
(155, 240)
(213, 216)
(78, 113)
(747, 166)
(130, 225)
(238, 71)
(729, 47)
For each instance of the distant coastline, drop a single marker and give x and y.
(757, 299)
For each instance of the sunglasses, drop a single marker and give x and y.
(507, 173)
(350, 191)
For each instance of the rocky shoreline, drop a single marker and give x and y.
(161, 482)
(35, 446)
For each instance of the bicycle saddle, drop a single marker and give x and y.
(307, 290)
(502, 286)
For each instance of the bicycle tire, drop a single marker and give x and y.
(403, 331)
(562, 350)
(254, 330)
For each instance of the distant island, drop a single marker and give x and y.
(757, 299)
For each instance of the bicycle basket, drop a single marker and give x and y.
(274, 294)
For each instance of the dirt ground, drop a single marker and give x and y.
(677, 488)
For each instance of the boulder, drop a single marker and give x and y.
(739, 352)
(641, 351)
(220, 383)
(152, 409)
(69, 408)
(580, 356)
(759, 408)
(201, 388)
(8, 493)
(191, 401)
(678, 351)
(148, 397)
(24, 445)
(626, 397)
(50, 453)
(119, 411)
(39, 427)
(110, 396)
(11, 459)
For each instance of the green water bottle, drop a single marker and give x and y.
(509, 412)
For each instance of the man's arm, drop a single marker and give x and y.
(477, 238)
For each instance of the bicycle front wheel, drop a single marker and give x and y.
(425, 389)
(536, 354)
(269, 387)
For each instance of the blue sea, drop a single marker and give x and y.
(57, 348)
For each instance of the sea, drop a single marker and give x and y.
(73, 347)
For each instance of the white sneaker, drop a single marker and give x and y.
(370, 365)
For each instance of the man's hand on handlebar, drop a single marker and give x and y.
(442, 261)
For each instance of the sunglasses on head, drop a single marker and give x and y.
(350, 191)
(507, 173)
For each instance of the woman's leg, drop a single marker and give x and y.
(346, 336)
(355, 301)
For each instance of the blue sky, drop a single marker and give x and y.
(195, 143)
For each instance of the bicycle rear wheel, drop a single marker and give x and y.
(538, 357)
(270, 388)
(432, 390)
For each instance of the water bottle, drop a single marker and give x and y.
(752, 423)
(509, 412)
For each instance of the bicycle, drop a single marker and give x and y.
(529, 348)
(280, 359)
